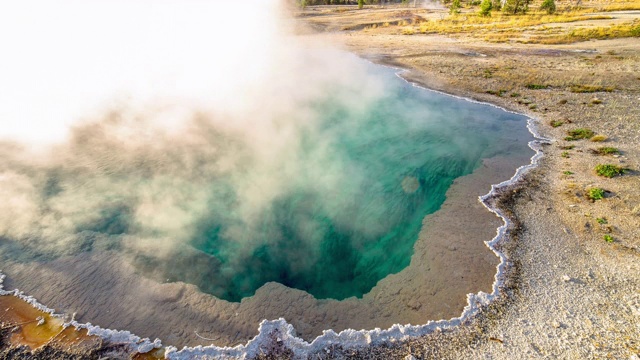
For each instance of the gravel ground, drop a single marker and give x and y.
(569, 294)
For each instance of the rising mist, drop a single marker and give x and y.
(211, 145)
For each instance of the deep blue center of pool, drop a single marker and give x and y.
(395, 160)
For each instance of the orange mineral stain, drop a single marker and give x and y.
(35, 328)
(151, 355)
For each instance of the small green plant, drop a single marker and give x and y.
(579, 133)
(567, 147)
(536, 86)
(595, 194)
(567, 172)
(556, 123)
(605, 150)
(485, 8)
(565, 154)
(602, 221)
(596, 101)
(549, 6)
(360, 4)
(608, 238)
(609, 170)
(515, 94)
(598, 138)
(454, 9)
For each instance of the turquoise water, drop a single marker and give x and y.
(330, 203)
(397, 159)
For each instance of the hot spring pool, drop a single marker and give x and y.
(327, 195)
(390, 165)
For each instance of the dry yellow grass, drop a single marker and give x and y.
(630, 29)
(620, 6)
(499, 21)
(503, 27)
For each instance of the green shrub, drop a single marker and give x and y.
(606, 150)
(602, 221)
(595, 194)
(454, 9)
(556, 123)
(485, 8)
(565, 154)
(567, 172)
(608, 238)
(536, 86)
(609, 170)
(549, 6)
(580, 133)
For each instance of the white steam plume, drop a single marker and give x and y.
(129, 109)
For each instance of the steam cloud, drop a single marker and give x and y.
(186, 133)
